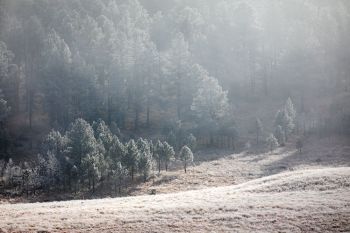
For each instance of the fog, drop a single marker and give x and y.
(197, 74)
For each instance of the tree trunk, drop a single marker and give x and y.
(93, 184)
(159, 163)
(132, 173)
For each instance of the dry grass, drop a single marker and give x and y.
(300, 201)
(246, 166)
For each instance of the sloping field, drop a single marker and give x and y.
(249, 165)
(300, 201)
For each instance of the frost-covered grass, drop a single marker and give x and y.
(249, 165)
(299, 201)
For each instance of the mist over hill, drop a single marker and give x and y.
(112, 98)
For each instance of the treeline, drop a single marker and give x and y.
(90, 157)
(144, 65)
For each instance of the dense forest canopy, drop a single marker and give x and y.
(154, 66)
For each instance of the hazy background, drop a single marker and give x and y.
(151, 67)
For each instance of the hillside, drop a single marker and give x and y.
(223, 168)
(310, 200)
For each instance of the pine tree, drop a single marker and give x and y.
(119, 173)
(92, 164)
(43, 172)
(55, 172)
(145, 164)
(56, 144)
(158, 153)
(145, 159)
(279, 134)
(81, 141)
(74, 176)
(186, 156)
(289, 106)
(210, 104)
(103, 133)
(131, 157)
(8, 173)
(169, 154)
(272, 142)
(117, 151)
(285, 121)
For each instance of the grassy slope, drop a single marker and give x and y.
(298, 201)
(246, 166)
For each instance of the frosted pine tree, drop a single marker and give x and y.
(92, 164)
(119, 173)
(145, 164)
(117, 151)
(145, 159)
(131, 157)
(158, 153)
(279, 134)
(103, 133)
(210, 104)
(169, 154)
(289, 106)
(81, 141)
(285, 121)
(186, 156)
(271, 142)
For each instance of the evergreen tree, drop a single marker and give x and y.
(103, 133)
(169, 154)
(285, 121)
(145, 164)
(272, 142)
(56, 144)
(210, 104)
(289, 106)
(92, 166)
(117, 151)
(158, 153)
(81, 141)
(131, 157)
(55, 172)
(119, 173)
(186, 156)
(145, 159)
(279, 134)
